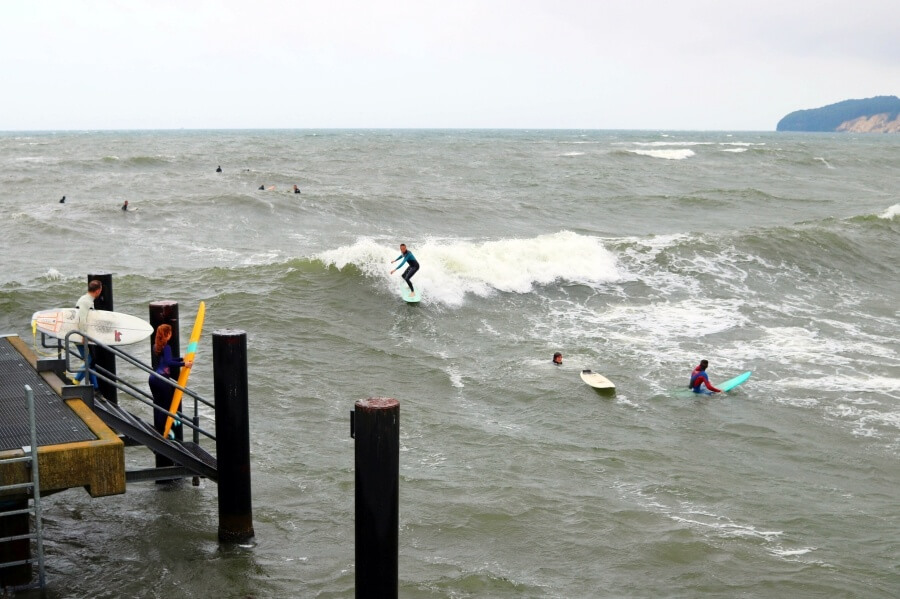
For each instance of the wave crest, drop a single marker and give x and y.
(679, 154)
(452, 269)
(891, 213)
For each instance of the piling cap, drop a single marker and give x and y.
(229, 332)
(377, 403)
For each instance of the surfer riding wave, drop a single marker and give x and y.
(412, 266)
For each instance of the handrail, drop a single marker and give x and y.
(129, 389)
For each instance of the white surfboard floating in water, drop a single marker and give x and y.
(598, 381)
(410, 297)
(111, 328)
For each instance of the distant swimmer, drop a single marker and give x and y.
(699, 377)
(411, 269)
(63, 200)
(557, 359)
(296, 189)
(125, 206)
(219, 169)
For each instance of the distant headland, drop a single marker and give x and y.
(880, 114)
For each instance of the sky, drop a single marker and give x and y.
(524, 64)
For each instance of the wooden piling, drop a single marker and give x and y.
(376, 428)
(232, 435)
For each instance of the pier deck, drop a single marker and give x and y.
(75, 448)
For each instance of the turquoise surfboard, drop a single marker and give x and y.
(409, 297)
(732, 383)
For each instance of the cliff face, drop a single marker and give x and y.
(880, 114)
(878, 123)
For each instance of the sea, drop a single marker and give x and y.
(633, 253)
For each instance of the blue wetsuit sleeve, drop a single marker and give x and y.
(405, 258)
(167, 361)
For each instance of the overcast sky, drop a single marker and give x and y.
(597, 64)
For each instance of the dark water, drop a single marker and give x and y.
(634, 253)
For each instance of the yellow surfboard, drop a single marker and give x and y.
(186, 371)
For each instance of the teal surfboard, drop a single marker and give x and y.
(409, 297)
(732, 383)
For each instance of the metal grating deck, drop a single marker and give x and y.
(56, 422)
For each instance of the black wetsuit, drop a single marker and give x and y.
(413, 266)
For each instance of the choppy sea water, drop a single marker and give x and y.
(634, 253)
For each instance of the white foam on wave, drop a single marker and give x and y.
(824, 355)
(863, 383)
(699, 519)
(798, 345)
(655, 323)
(724, 526)
(659, 144)
(652, 334)
(868, 423)
(571, 154)
(780, 551)
(680, 154)
(450, 269)
(891, 213)
(734, 150)
(641, 256)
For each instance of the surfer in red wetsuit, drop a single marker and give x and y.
(699, 377)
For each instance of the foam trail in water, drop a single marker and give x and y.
(451, 268)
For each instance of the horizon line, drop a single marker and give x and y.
(171, 129)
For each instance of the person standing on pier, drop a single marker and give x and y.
(161, 390)
(84, 305)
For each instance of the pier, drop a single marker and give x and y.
(75, 436)
(80, 434)
(75, 448)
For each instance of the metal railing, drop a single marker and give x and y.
(34, 489)
(129, 389)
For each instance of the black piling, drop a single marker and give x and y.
(104, 358)
(165, 312)
(376, 428)
(232, 435)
